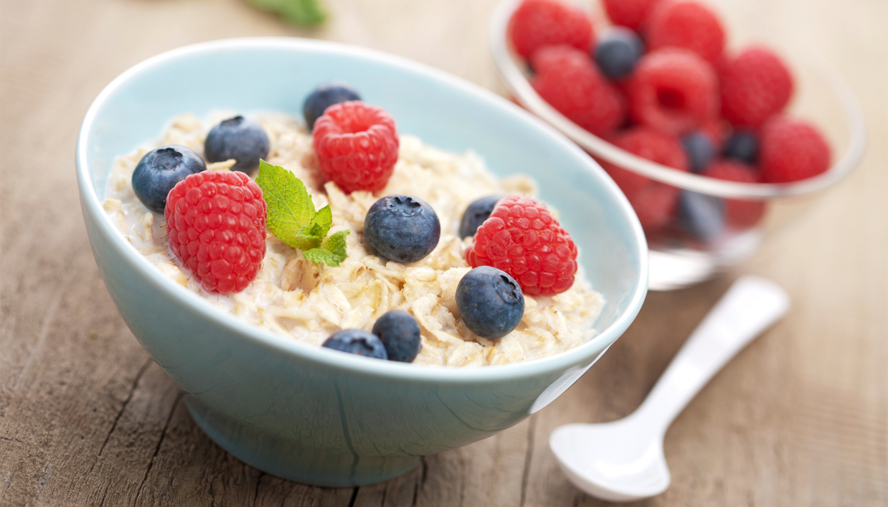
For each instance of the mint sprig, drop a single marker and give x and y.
(293, 219)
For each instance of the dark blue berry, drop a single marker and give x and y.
(399, 333)
(702, 216)
(237, 138)
(325, 96)
(476, 214)
(617, 52)
(159, 171)
(490, 301)
(355, 341)
(742, 146)
(401, 228)
(699, 150)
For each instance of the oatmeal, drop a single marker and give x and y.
(308, 302)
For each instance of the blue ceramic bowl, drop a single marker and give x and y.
(307, 413)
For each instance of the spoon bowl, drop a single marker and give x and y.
(627, 456)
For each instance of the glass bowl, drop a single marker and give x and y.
(678, 259)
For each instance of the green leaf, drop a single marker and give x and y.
(321, 256)
(269, 5)
(333, 251)
(304, 13)
(304, 240)
(289, 204)
(337, 242)
(293, 219)
(321, 222)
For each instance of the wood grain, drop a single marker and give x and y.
(86, 418)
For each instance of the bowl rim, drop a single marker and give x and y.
(334, 359)
(524, 93)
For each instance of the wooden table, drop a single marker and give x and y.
(86, 417)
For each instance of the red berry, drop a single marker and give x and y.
(739, 213)
(673, 90)
(216, 228)
(754, 85)
(717, 131)
(570, 82)
(629, 13)
(356, 145)
(655, 206)
(521, 238)
(686, 24)
(654, 202)
(538, 23)
(792, 150)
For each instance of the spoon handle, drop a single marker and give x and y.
(749, 307)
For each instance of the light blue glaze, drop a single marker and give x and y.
(312, 414)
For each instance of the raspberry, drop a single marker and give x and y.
(686, 24)
(717, 130)
(791, 150)
(522, 239)
(216, 228)
(741, 214)
(356, 145)
(649, 144)
(538, 23)
(654, 202)
(754, 85)
(655, 206)
(629, 13)
(569, 81)
(673, 90)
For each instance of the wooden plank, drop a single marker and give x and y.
(799, 418)
(189, 469)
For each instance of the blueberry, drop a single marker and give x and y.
(239, 138)
(355, 341)
(159, 171)
(476, 214)
(401, 228)
(702, 216)
(618, 52)
(325, 96)
(399, 333)
(742, 146)
(490, 301)
(699, 150)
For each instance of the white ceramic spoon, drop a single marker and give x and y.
(623, 460)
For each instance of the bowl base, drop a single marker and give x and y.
(284, 458)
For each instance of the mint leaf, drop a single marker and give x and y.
(336, 243)
(305, 240)
(311, 235)
(293, 219)
(321, 222)
(333, 251)
(289, 205)
(321, 256)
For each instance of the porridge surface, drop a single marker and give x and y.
(308, 302)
